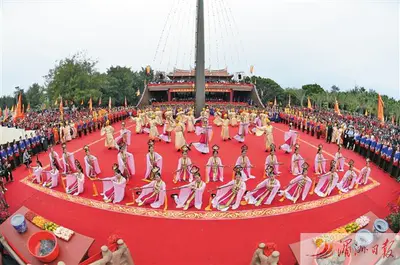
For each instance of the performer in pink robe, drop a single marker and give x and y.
(153, 159)
(114, 187)
(51, 177)
(298, 187)
(319, 162)
(243, 129)
(92, 167)
(364, 173)
(339, 159)
(126, 163)
(37, 172)
(296, 162)
(327, 182)
(214, 167)
(54, 158)
(349, 179)
(68, 160)
(183, 172)
(272, 160)
(265, 191)
(75, 181)
(230, 194)
(124, 137)
(191, 195)
(245, 163)
(205, 132)
(290, 138)
(154, 193)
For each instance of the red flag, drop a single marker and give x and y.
(126, 103)
(90, 104)
(381, 106)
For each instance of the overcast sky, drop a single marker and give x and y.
(339, 43)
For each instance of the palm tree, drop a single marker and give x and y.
(300, 94)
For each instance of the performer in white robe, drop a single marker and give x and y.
(205, 132)
(349, 179)
(92, 167)
(296, 162)
(51, 177)
(139, 123)
(245, 163)
(190, 122)
(37, 172)
(114, 187)
(272, 160)
(230, 194)
(54, 158)
(191, 195)
(67, 132)
(126, 163)
(319, 162)
(214, 167)
(153, 159)
(68, 160)
(290, 140)
(267, 130)
(364, 173)
(339, 159)
(327, 182)
(154, 193)
(125, 136)
(183, 172)
(298, 187)
(108, 131)
(243, 129)
(75, 181)
(265, 191)
(225, 129)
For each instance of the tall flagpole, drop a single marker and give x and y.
(200, 61)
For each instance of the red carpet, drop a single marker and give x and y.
(174, 241)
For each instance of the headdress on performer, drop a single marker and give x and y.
(368, 160)
(333, 164)
(64, 146)
(351, 163)
(78, 165)
(305, 166)
(320, 147)
(155, 170)
(107, 122)
(215, 147)
(115, 167)
(150, 143)
(123, 123)
(225, 115)
(269, 169)
(272, 146)
(86, 148)
(244, 147)
(237, 168)
(185, 149)
(296, 147)
(267, 120)
(194, 170)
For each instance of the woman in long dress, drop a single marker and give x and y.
(244, 162)
(217, 118)
(191, 195)
(339, 159)
(114, 187)
(180, 140)
(290, 138)
(92, 167)
(108, 130)
(190, 122)
(68, 160)
(153, 159)
(232, 118)
(269, 137)
(349, 179)
(265, 191)
(243, 128)
(126, 163)
(154, 193)
(272, 161)
(319, 162)
(75, 181)
(183, 172)
(67, 132)
(124, 137)
(37, 172)
(230, 194)
(364, 173)
(296, 162)
(298, 187)
(205, 132)
(225, 128)
(327, 182)
(139, 123)
(214, 167)
(51, 177)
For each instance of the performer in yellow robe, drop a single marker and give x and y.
(108, 130)
(179, 136)
(225, 128)
(190, 122)
(269, 137)
(217, 118)
(232, 118)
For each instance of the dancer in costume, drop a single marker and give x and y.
(272, 161)
(126, 163)
(75, 181)
(290, 140)
(327, 182)
(245, 163)
(153, 131)
(214, 167)
(243, 128)
(139, 122)
(179, 128)
(232, 118)
(68, 160)
(298, 187)
(190, 122)
(125, 136)
(339, 159)
(217, 118)
(37, 172)
(230, 194)
(205, 132)
(169, 126)
(108, 130)
(92, 167)
(319, 162)
(364, 173)
(265, 191)
(225, 128)
(191, 195)
(114, 187)
(51, 177)
(349, 179)
(267, 130)
(154, 193)
(296, 162)
(153, 159)
(54, 158)
(183, 172)
(158, 113)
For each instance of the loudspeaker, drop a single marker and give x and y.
(240, 76)
(161, 76)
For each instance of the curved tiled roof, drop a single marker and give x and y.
(208, 72)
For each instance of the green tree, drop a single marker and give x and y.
(268, 89)
(311, 89)
(35, 96)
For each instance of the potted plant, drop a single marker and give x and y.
(393, 218)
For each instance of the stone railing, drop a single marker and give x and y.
(259, 258)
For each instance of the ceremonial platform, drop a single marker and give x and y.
(160, 236)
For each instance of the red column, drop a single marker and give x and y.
(231, 96)
(169, 95)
